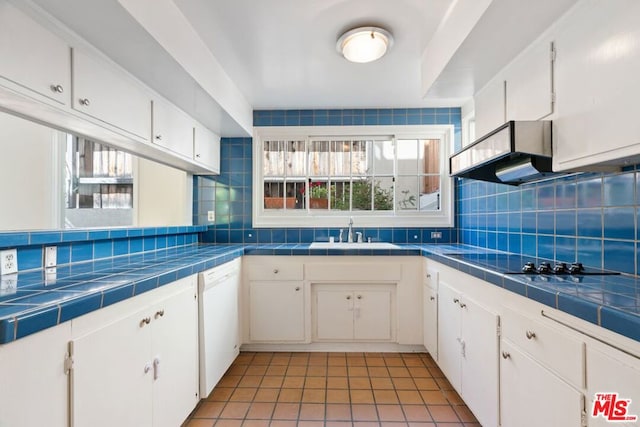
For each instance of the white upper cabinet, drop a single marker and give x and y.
(206, 148)
(597, 72)
(172, 129)
(33, 58)
(490, 106)
(101, 92)
(529, 88)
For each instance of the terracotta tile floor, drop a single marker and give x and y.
(333, 390)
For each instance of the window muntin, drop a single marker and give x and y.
(395, 177)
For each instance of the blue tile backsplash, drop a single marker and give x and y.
(591, 218)
(229, 194)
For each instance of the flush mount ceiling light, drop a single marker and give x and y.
(364, 44)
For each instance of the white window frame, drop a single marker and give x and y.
(264, 218)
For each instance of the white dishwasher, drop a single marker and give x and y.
(218, 322)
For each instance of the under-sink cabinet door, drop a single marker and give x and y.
(532, 396)
(372, 314)
(113, 375)
(334, 314)
(276, 311)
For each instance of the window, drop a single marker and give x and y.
(383, 176)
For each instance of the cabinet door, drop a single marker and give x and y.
(219, 330)
(206, 148)
(372, 315)
(103, 92)
(334, 314)
(430, 318)
(34, 384)
(596, 83)
(33, 57)
(449, 340)
(172, 129)
(113, 375)
(529, 84)
(480, 361)
(532, 396)
(490, 107)
(276, 311)
(612, 372)
(174, 354)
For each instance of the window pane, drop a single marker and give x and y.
(407, 193)
(383, 194)
(429, 156)
(340, 158)
(361, 193)
(430, 193)
(383, 157)
(407, 157)
(295, 159)
(340, 195)
(360, 152)
(319, 158)
(318, 195)
(273, 158)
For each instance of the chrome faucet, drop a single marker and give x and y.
(350, 230)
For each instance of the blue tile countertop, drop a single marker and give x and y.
(36, 301)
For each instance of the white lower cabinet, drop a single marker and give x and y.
(142, 369)
(430, 312)
(276, 311)
(34, 384)
(610, 371)
(348, 312)
(533, 396)
(468, 351)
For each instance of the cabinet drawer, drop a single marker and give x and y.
(549, 346)
(354, 271)
(270, 270)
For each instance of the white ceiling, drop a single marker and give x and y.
(281, 54)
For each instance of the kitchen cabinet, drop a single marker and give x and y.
(529, 83)
(596, 72)
(206, 148)
(533, 396)
(276, 311)
(218, 322)
(430, 313)
(100, 91)
(34, 383)
(139, 367)
(35, 61)
(612, 371)
(490, 106)
(353, 313)
(172, 129)
(468, 351)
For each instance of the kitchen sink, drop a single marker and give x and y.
(344, 245)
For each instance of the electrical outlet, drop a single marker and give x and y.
(50, 256)
(8, 261)
(211, 216)
(436, 235)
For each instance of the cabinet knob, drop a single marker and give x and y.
(530, 335)
(462, 305)
(57, 88)
(145, 321)
(359, 296)
(147, 368)
(297, 288)
(456, 300)
(348, 296)
(275, 271)
(85, 102)
(197, 156)
(428, 276)
(158, 137)
(159, 314)
(506, 355)
(432, 298)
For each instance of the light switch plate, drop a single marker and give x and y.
(8, 262)
(211, 216)
(50, 256)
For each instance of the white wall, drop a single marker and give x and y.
(28, 152)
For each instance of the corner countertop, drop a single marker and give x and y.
(37, 300)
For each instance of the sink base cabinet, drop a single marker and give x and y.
(276, 311)
(34, 383)
(142, 369)
(353, 313)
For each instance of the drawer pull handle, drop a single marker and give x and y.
(506, 355)
(57, 88)
(147, 368)
(456, 301)
(159, 313)
(275, 271)
(432, 298)
(297, 288)
(145, 321)
(428, 276)
(85, 102)
(530, 335)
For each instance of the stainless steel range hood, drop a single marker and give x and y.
(515, 153)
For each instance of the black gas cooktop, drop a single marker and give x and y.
(522, 264)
